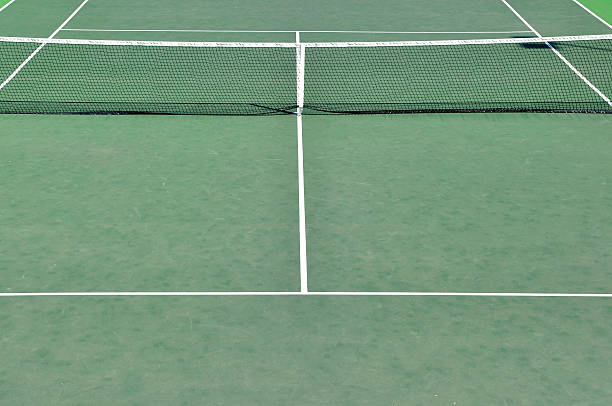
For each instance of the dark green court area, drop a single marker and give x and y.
(482, 202)
(486, 203)
(305, 351)
(148, 203)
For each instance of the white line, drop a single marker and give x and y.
(490, 41)
(520, 17)
(593, 14)
(572, 67)
(302, 207)
(6, 5)
(68, 19)
(33, 54)
(300, 64)
(283, 31)
(24, 63)
(414, 294)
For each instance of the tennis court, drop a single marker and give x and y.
(218, 230)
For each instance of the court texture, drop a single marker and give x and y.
(319, 259)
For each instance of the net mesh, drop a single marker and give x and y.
(80, 76)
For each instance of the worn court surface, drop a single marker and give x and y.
(443, 203)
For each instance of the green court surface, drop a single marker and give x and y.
(405, 216)
(459, 202)
(305, 351)
(33, 18)
(447, 20)
(293, 15)
(148, 203)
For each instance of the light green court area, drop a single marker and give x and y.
(485, 203)
(558, 17)
(603, 8)
(145, 203)
(305, 351)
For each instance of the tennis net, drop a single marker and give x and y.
(557, 74)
